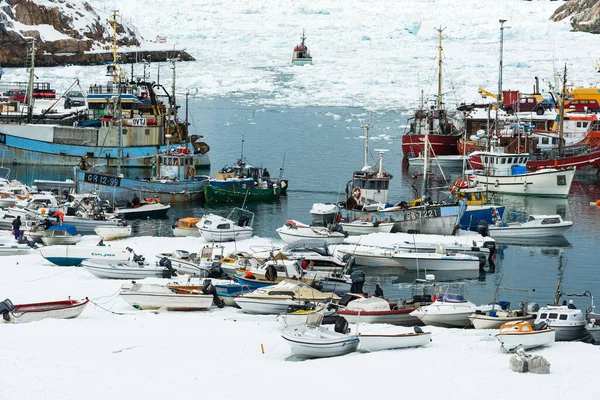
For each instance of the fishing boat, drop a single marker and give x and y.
(448, 310)
(540, 226)
(301, 54)
(21, 313)
(370, 342)
(237, 226)
(276, 299)
(149, 208)
(521, 334)
(144, 120)
(375, 310)
(69, 256)
(184, 227)
(146, 296)
(131, 269)
(314, 340)
(502, 172)
(244, 182)
(323, 227)
(113, 232)
(61, 235)
(439, 125)
(367, 200)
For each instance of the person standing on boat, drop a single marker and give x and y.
(135, 201)
(571, 306)
(378, 291)
(16, 224)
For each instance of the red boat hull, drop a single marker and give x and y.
(587, 163)
(442, 145)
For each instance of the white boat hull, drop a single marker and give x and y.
(238, 233)
(74, 255)
(365, 228)
(482, 321)
(175, 302)
(375, 258)
(259, 306)
(436, 262)
(108, 269)
(546, 182)
(386, 317)
(186, 232)
(449, 161)
(370, 343)
(64, 313)
(518, 231)
(292, 235)
(328, 344)
(449, 315)
(526, 340)
(113, 232)
(61, 240)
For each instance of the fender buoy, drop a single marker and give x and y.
(356, 193)
(191, 172)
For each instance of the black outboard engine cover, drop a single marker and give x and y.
(482, 261)
(165, 262)
(210, 289)
(169, 271)
(491, 245)
(270, 273)
(347, 298)
(540, 326)
(483, 228)
(317, 285)
(341, 325)
(5, 308)
(215, 271)
(358, 281)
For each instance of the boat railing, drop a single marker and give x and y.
(111, 89)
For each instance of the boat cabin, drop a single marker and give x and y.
(498, 163)
(560, 315)
(179, 164)
(301, 54)
(324, 214)
(368, 187)
(187, 223)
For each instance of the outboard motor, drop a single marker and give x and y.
(540, 326)
(169, 271)
(210, 289)
(533, 307)
(491, 245)
(358, 281)
(5, 308)
(341, 325)
(482, 261)
(317, 285)
(243, 221)
(483, 228)
(215, 271)
(270, 273)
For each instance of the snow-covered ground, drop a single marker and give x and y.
(217, 354)
(368, 54)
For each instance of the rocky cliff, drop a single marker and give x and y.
(61, 28)
(584, 14)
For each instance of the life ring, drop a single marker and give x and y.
(521, 149)
(497, 183)
(191, 172)
(356, 193)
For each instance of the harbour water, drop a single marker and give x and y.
(319, 148)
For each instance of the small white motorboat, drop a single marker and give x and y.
(441, 260)
(113, 232)
(520, 334)
(152, 209)
(277, 298)
(293, 231)
(297, 315)
(375, 310)
(448, 310)
(500, 314)
(237, 226)
(20, 313)
(316, 341)
(60, 235)
(593, 326)
(145, 296)
(10, 247)
(359, 227)
(569, 323)
(442, 161)
(370, 342)
(537, 226)
(185, 227)
(133, 269)
(368, 256)
(191, 263)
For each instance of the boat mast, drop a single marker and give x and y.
(499, 97)
(440, 53)
(426, 157)
(115, 72)
(30, 83)
(563, 95)
(366, 128)
(119, 112)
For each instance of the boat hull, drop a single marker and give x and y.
(446, 315)
(366, 228)
(122, 190)
(586, 164)
(392, 317)
(449, 161)
(61, 240)
(293, 235)
(237, 233)
(235, 194)
(21, 150)
(257, 306)
(107, 269)
(569, 333)
(186, 232)
(412, 144)
(66, 309)
(546, 183)
(73, 255)
(113, 232)
(365, 259)
(175, 302)
(526, 340)
(515, 232)
(474, 214)
(370, 343)
(482, 321)
(436, 262)
(319, 347)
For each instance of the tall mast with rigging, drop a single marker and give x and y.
(115, 73)
(366, 128)
(499, 97)
(30, 82)
(563, 95)
(440, 103)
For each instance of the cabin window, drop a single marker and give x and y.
(124, 131)
(477, 196)
(579, 124)
(509, 160)
(563, 317)
(503, 161)
(548, 221)
(584, 124)
(545, 140)
(554, 141)
(224, 226)
(561, 180)
(552, 315)
(207, 223)
(147, 131)
(543, 316)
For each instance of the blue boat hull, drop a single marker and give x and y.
(122, 190)
(470, 218)
(66, 261)
(17, 150)
(252, 284)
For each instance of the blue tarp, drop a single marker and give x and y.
(71, 230)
